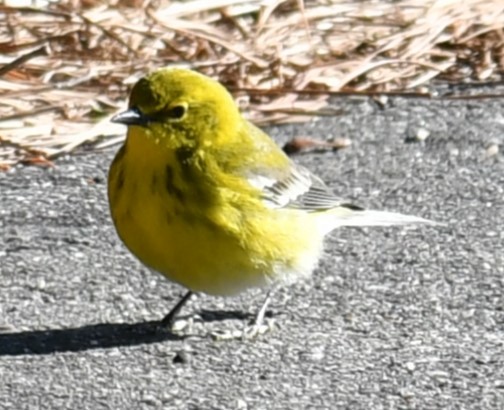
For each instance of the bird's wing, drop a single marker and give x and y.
(296, 188)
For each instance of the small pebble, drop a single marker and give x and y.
(180, 358)
(492, 150)
(410, 366)
(417, 135)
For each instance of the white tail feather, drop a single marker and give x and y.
(342, 216)
(380, 218)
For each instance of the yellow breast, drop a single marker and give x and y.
(218, 247)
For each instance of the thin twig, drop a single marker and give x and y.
(41, 51)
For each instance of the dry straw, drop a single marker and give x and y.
(66, 66)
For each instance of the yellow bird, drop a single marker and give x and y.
(210, 201)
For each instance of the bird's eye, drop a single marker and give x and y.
(176, 112)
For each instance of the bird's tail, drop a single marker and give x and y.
(347, 216)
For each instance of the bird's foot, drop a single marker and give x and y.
(251, 331)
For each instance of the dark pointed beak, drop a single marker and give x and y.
(133, 116)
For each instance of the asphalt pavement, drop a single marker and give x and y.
(394, 318)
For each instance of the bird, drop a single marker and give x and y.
(204, 197)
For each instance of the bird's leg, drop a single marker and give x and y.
(258, 327)
(168, 320)
(259, 318)
(255, 328)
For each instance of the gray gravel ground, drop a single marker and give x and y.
(392, 319)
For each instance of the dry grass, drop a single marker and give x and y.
(67, 66)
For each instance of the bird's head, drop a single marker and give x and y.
(176, 107)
